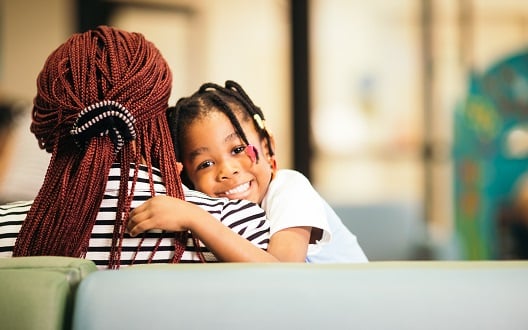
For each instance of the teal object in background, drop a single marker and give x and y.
(487, 164)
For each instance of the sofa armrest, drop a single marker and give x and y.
(38, 292)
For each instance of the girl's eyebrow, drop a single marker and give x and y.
(232, 137)
(198, 151)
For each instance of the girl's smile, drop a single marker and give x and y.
(238, 190)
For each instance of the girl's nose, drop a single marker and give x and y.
(228, 169)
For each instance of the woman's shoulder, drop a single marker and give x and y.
(198, 197)
(15, 207)
(214, 203)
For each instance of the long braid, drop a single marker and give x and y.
(101, 64)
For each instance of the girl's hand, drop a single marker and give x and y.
(162, 212)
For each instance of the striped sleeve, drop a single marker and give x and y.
(245, 218)
(12, 216)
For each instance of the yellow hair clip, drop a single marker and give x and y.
(260, 122)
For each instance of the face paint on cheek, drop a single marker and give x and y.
(252, 153)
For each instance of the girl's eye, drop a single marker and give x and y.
(239, 150)
(205, 164)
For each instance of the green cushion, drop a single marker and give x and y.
(76, 268)
(38, 292)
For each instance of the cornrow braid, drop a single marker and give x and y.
(253, 110)
(222, 104)
(230, 99)
(109, 72)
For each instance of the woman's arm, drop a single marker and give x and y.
(173, 214)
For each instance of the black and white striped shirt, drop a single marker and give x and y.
(243, 217)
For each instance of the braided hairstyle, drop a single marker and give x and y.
(108, 72)
(231, 100)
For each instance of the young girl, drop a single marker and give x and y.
(226, 150)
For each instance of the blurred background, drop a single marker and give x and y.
(408, 116)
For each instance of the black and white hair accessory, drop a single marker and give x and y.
(104, 118)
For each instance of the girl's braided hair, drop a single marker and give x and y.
(230, 100)
(102, 71)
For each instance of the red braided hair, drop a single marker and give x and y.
(101, 64)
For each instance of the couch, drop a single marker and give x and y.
(376, 295)
(382, 295)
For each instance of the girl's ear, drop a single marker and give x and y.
(271, 158)
(179, 166)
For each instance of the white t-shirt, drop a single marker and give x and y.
(291, 201)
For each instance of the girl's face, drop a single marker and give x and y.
(216, 162)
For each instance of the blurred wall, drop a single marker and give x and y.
(30, 30)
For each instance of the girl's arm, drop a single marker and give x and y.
(290, 244)
(297, 215)
(173, 214)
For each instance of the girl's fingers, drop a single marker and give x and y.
(139, 209)
(133, 232)
(136, 228)
(135, 218)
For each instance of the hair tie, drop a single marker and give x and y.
(104, 118)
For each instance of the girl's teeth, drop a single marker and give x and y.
(239, 189)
